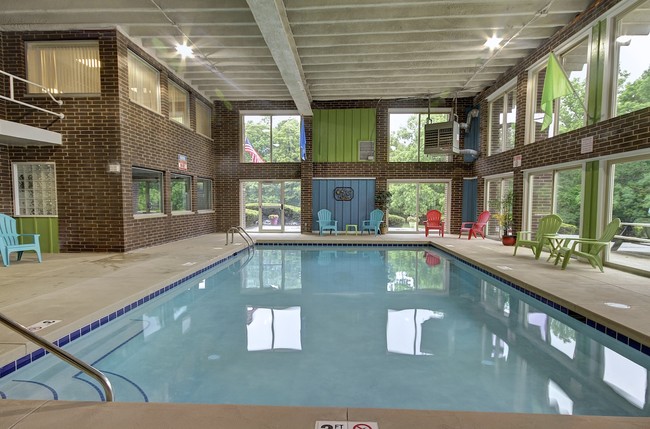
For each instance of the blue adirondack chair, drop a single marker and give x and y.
(10, 242)
(372, 224)
(325, 222)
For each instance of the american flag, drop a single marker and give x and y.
(255, 157)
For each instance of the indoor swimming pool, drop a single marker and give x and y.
(403, 327)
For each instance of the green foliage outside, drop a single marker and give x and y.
(285, 134)
(407, 143)
(291, 213)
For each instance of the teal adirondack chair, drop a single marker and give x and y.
(548, 225)
(372, 224)
(591, 252)
(325, 222)
(10, 242)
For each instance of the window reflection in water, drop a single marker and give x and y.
(417, 270)
(404, 330)
(273, 328)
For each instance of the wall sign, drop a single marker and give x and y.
(343, 194)
(182, 162)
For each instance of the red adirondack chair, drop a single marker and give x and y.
(475, 228)
(434, 222)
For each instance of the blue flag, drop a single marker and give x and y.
(303, 140)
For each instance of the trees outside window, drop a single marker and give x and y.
(275, 138)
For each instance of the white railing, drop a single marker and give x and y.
(13, 99)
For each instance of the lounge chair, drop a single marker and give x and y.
(434, 222)
(325, 222)
(10, 241)
(372, 224)
(475, 228)
(548, 225)
(591, 247)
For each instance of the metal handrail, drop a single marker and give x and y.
(22, 103)
(62, 354)
(242, 232)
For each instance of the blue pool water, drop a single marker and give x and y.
(350, 326)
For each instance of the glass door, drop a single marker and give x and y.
(271, 206)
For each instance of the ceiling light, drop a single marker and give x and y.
(493, 42)
(624, 40)
(185, 51)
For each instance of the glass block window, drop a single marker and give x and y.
(35, 189)
(203, 119)
(179, 104)
(69, 67)
(204, 194)
(144, 83)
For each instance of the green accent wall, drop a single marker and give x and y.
(591, 200)
(47, 227)
(336, 133)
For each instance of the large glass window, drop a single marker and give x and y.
(203, 119)
(70, 67)
(181, 193)
(496, 193)
(407, 135)
(411, 201)
(559, 192)
(147, 191)
(35, 189)
(271, 138)
(632, 63)
(503, 116)
(203, 194)
(179, 104)
(144, 83)
(569, 111)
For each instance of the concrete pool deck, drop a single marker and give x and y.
(78, 288)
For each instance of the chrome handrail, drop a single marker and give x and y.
(61, 354)
(242, 232)
(12, 97)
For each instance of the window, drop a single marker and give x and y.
(147, 191)
(179, 104)
(569, 111)
(496, 190)
(411, 201)
(181, 193)
(503, 116)
(559, 192)
(70, 67)
(271, 138)
(35, 189)
(631, 62)
(407, 135)
(144, 83)
(203, 119)
(203, 194)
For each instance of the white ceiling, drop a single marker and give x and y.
(318, 49)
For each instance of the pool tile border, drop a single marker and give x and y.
(76, 334)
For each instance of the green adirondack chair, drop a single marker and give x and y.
(325, 222)
(10, 240)
(548, 225)
(591, 252)
(372, 224)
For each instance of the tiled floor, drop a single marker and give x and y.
(79, 288)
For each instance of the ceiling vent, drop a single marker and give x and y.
(441, 138)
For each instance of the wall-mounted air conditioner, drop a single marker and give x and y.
(441, 138)
(366, 150)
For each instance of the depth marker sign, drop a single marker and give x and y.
(345, 425)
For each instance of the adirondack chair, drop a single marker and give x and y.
(434, 222)
(10, 242)
(475, 228)
(372, 224)
(548, 225)
(325, 222)
(591, 252)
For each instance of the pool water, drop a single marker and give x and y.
(394, 327)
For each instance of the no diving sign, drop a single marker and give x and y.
(346, 425)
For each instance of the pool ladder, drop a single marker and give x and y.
(61, 354)
(242, 232)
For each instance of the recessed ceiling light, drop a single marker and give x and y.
(185, 51)
(493, 42)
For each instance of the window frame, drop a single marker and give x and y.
(132, 59)
(52, 188)
(187, 200)
(502, 93)
(420, 139)
(161, 182)
(271, 113)
(202, 112)
(208, 194)
(185, 114)
(32, 90)
(493, 229)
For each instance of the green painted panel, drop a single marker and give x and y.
(590, 206)
(47, 227)
(336, 133)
